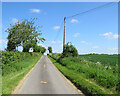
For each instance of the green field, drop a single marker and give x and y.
(97, 76)
(104, 59)
(15, 65)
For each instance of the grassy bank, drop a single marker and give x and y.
(14, 70)
(93, 78)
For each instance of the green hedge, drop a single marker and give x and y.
(10, 61)
(15, 65)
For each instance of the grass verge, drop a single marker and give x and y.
(87, 86)
(10, 81)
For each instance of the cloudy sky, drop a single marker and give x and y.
(93, 32)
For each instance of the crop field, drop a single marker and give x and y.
(104, 59)
(100, 70)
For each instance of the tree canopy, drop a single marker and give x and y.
(50, 49)
(39, 49)
(25, 34)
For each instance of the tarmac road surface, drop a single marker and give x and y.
(46, 79)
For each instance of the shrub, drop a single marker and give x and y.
(50, 49)
(69, 50)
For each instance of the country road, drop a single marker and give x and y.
(46, 79)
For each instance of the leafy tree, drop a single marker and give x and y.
(43, 50)
(37, 48)
(50, 49)
(25, 34)
(69, 50)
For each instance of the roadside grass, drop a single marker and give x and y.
(10, 81)
(0, 81)
(81, 81)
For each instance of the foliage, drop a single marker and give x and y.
(104, 59)
(24, 34)
(106, 77)
(50, 49)
(55, 56)
(39, 49)
(15, 66)
(43, 50)
(36, 48)
(10, 61)
(69, 50)
(82, 83)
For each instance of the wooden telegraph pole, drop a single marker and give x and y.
(64, 32)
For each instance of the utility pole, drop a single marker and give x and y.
(64, 32)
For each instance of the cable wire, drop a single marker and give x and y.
(59, 31)
(90, 10)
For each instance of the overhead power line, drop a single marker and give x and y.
(59, 30)
(90, 10)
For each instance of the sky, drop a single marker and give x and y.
(93, 32)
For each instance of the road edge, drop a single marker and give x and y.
(21, 81)
(68, 81)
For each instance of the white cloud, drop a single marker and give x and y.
(59, 41)
(95, 47)
(116, 36)
(3, 42)
(107, 34)
(86, 43)
(35, 10)
(41, 45)
(53, 42)
(14, 20)
(56, 27)
(112, 49)
(76, 34)
(74, 21)
(110, 35)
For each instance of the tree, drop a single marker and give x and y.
(37, 48)
(50, 49)
(69, 50)
(42, 50)
(25, 34)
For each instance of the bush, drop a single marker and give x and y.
(55, 56)
(50, 49)
(69, 50)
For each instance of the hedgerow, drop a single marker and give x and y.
(10, 61)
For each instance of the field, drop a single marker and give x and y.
(104, 59)
(97, 74)
(15, 65)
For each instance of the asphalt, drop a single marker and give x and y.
(45, 79)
